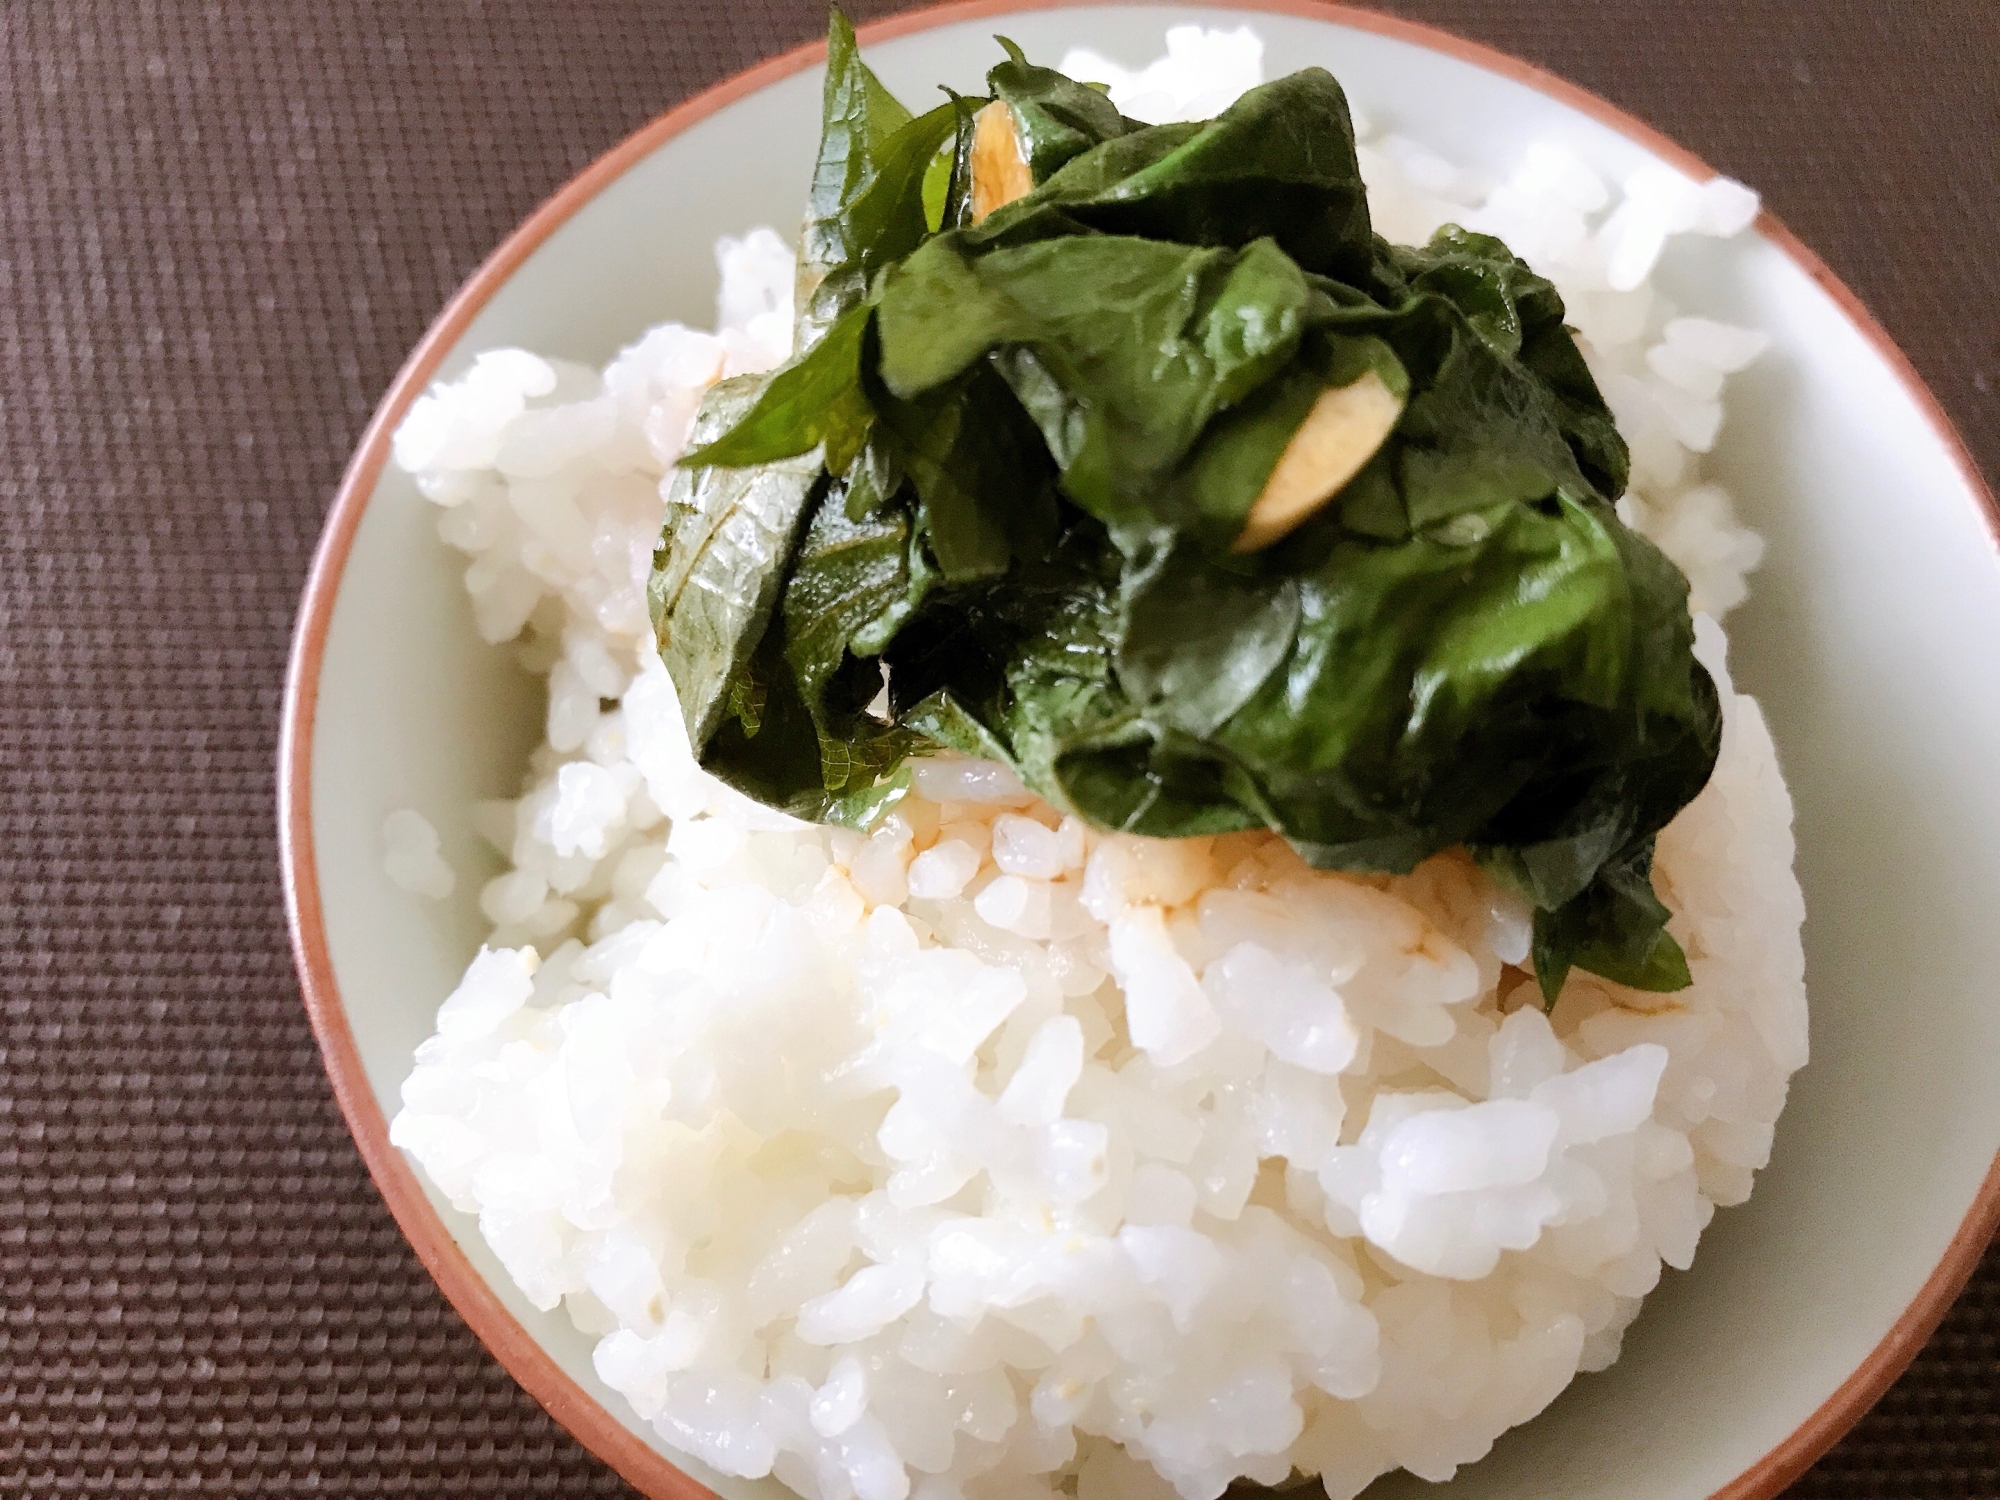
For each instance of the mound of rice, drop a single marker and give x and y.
(988, 1156)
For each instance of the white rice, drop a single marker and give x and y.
(411, 855)
(987, 1156)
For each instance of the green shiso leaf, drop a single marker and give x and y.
(815, 401)
(867, 202)
(1278, 164)
(1056, 119)
(713, 589)
(1007, 467)
(1121, 349)
(858, 117)
(1615, 927)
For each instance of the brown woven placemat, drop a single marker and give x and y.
(221, 227)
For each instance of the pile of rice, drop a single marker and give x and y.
(988, 1156)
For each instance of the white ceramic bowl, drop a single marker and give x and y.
(1870, 638)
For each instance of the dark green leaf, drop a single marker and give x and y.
(1616, 927)
(722, 559)
(766, 747)
(886, 219)
(816, 401)
(1463, 647)
(1197, 641)
(979, 471)
(954, 207)
(1136, 344)
(1497, 405)
(1277, 164)
(846, 574)
(920, 576)
(1055, 118)
(798, 735)
(872, 480)
(883, 216)
(858, 116)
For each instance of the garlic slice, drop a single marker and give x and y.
(999, 169)
(1340, 434)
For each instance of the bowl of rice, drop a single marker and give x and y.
(980, 1154)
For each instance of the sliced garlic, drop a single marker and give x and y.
(1340, 434)
(999, 170)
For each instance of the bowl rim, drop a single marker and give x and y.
(395, 1178)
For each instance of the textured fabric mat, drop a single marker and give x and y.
(221, 227)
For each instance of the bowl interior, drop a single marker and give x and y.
(1868, 638)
